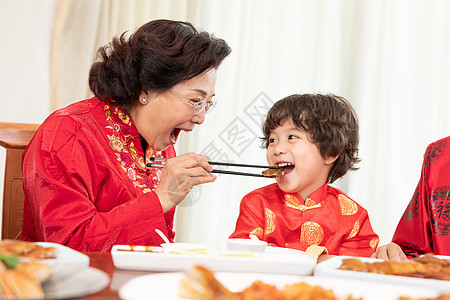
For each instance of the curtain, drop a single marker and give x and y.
(388, 58)
(82, 26)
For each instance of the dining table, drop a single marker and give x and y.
(103, 261)
(119, 277)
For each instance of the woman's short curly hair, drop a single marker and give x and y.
(159, 55)
(330, 122)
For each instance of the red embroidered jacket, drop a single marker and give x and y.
(425, 224)
(326, 218)
(86, 182)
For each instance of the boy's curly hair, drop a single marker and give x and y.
(330, 123)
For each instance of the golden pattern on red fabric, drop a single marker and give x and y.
(374, 243)
(310, 202)
(292, 202)
(269, 217)
(348, 206)
(354, 231)
(121, 142)
(259, 232)
(311, 233)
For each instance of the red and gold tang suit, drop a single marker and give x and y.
(86, 182)
(327, 218)
(425, 224)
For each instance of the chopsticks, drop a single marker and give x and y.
(161, 159)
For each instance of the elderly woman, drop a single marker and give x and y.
(86, 182)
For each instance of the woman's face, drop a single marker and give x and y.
(164, 115)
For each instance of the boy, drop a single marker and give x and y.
(314, 140)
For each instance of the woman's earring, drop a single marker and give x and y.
(144, 100)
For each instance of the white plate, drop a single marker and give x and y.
(280, 250)
(65, 255)
(70, 281)
(216, 260)
(330, 267)
(165, 286)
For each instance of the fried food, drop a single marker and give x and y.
(199, 283)
(24, 281)
(272, 173)
(428, 266)
(441, 297)
(21, 273)
(26, 249)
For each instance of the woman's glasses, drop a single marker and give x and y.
(197, 105)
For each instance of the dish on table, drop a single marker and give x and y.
(46, 271)
(426, 266)
(167, 286)
(216, 260)
(331, 268)
(66, 255)
(71, 281)
(44, 251)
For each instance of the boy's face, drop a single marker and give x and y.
(304, 169)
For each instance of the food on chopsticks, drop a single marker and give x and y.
(427, 266)
(21, 273)
(199, 283)
(272, 173)
(26, 249)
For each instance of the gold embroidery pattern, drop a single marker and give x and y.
(354, 231)
(269, 217)
(374, 243)
(292, 202)
(115, 143)
(310, 202)
(311, 233)
(348, 206)
(121, 142)
(259, 232)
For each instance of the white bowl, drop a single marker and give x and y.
(246, 245)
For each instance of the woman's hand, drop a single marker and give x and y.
(391, 251)
(180, 175)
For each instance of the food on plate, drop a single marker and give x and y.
(441, 297)
(427, 266)
(22, 279)
(138, 248)
(272, 173)
(26, 249)
(200, 283)
(21, 272)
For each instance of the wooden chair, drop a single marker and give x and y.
(15, 138)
